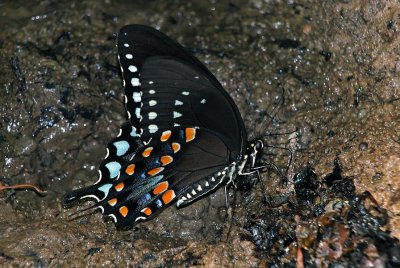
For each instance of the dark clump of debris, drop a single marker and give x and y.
(325, 224)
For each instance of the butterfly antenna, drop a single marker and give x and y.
(277, 108)
(280, 133)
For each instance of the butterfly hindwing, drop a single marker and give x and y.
(119, 151)
(162, 170)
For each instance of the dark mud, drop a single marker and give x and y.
(336, 66)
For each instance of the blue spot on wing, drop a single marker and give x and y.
(158, 203)
(142, 176)
(105, 188)
(153, 164)
(181, 134)
(144, 199)
(133, 133)
(122, 147)
(113, 168)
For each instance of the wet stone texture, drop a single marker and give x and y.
(325, 74)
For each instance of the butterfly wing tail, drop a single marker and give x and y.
(97, 192)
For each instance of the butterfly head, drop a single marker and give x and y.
(254, 149)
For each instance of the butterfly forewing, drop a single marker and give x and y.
(158, 71)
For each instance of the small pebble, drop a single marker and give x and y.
(363, 146)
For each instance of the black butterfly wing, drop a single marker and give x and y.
(158, 173)
(119, 151)
(166, 86)
(184, 128)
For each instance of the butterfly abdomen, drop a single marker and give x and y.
(206, 185)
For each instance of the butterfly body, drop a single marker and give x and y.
(185, 136)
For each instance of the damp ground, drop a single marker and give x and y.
(324, 74)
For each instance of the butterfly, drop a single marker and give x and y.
(184, 138)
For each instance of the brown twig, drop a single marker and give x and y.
(23, 187)
(299, 259)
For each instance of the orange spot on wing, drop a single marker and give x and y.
(130, 169)
(160, 188)
(112, 202)
(155, 171)
(147, 151)
(176, 147)
(119, 186)
(147, 211)
(168, 196)
(165, 135)
(190, 133)
(124, 211)
(165, 160)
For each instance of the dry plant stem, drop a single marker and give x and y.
(23, 187)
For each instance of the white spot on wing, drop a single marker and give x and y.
(107, 154)
(137, 97)
(152, 91)
(129, 56)
(137, 112)
(177, 102)
(180, 201)
(113, 217)
(152, 115)
(91, 196)
(152, 102)
(132, 68)
(153, 128)
(135, 82)
(176, 125)
(151, 82)
(140, 218)
(186, 93)
(100, 176)
(203, 101)
(147, 142)
(176, 114)
(126, 45)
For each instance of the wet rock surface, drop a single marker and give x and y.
(326, 72)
